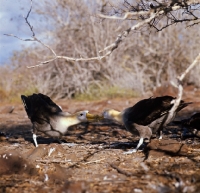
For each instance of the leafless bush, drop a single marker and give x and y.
(13, 83)
(164, 13)
(141, 63)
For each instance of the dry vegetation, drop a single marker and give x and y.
(92, 160)
(143, 62)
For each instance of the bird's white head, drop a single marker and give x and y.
(86, 116)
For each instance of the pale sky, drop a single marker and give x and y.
(12, 22)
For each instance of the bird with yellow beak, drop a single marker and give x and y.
(146, 117)
(48, 118)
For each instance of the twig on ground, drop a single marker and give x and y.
(53, 161)
(94, 161)
(128, 174)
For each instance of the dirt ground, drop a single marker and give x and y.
(92, 159)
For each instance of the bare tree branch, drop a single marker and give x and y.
(55, 55)
(126, 15)
(12, 35)
(149, 14)
(26, 19)
(180, 87)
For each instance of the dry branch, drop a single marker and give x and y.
(180, 87)
(151, 15)
(94, 161)
(124, 34)
(48, 47)
(53, 161)
(56, 56)
(153, 58)
(126, 15)
(126, 173)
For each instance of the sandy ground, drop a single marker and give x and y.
(92, 158)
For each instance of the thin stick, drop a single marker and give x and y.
(95, 161)
(121, 171)
(53, 161)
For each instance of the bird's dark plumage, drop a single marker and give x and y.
(193, 124)
(194, 121)
(146, 111)
(48, 118)
(147, 116)
(39, 107)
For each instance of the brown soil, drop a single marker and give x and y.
(92, 158)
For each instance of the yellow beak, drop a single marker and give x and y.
(91, 117)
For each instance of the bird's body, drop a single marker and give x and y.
(145, 117)
(56, 125)
(48, 118)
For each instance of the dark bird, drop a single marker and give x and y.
(192, 124)
(48, 118)
(145, 117)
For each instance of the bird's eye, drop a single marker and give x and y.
(81, 114)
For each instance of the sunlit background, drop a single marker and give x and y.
(144, 61)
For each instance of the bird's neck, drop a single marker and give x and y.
(68, 121)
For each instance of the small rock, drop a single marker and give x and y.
(12, 162)
(167, 146)
(38, 153)
(3, 136)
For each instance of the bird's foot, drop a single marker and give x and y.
(160, 135)
(130, 151)
(35, 139)
(59, 141)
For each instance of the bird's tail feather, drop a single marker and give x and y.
(183, 105)
(26, 103)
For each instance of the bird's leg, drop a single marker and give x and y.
(160, 135)
(138, 145)
(35, 140)
(184, 133)
(59, 141)
(35, 136)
